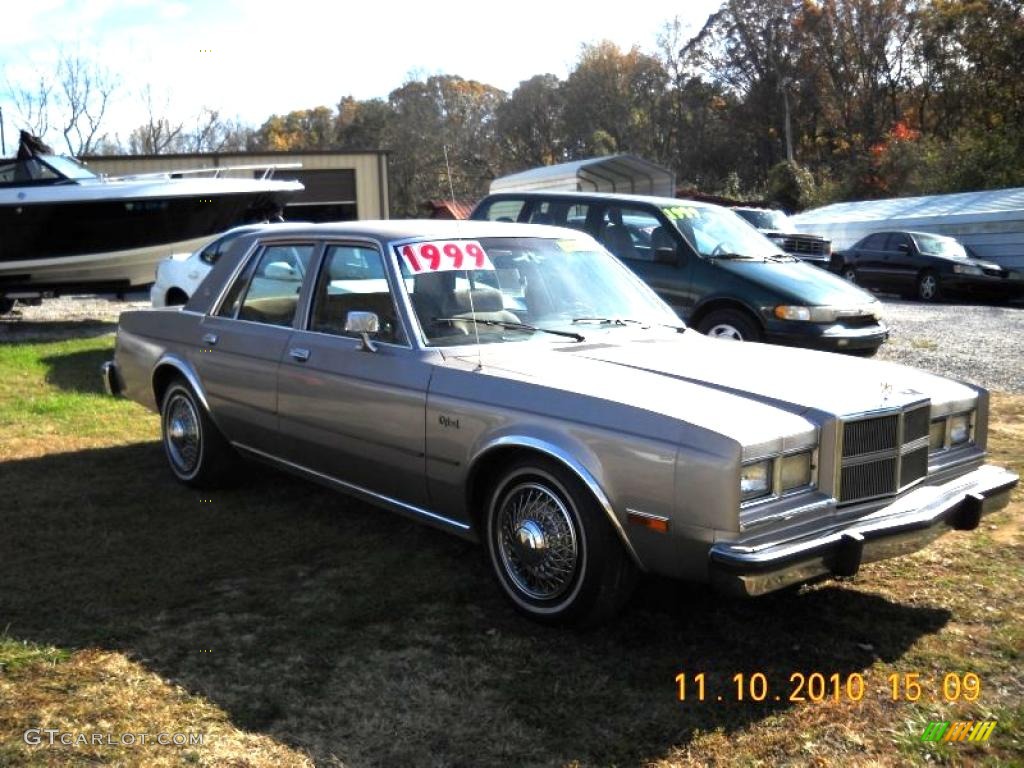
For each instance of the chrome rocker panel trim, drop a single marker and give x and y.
(906, 525)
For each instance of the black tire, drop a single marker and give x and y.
(6, 305)
(849, 274)
(196, 451)
(730, 324)
(176, 298)
(928, 286)
(552, 549)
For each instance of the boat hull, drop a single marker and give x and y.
(51, 244)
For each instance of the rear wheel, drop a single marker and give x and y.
(850, 274)
(928, 286)
(729, 324)
(176, 298)
(552, 548)
(196, 451)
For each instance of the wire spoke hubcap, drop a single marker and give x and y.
(537, 541)
(182, 434)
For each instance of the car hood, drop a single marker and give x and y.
(753, 393)
(805, 283)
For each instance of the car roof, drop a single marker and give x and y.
(388, 230)
(609, 196)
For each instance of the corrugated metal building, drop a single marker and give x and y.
(612, 173)
(340, 185)
(991, 221)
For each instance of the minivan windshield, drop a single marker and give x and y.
(522, 287)
(718, 232)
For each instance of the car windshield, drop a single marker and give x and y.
(524, 287)
(940, 246)
(776, 221)
(719, 232)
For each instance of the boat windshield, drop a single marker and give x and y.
(42, 169)
(524, 288)
(67, 167)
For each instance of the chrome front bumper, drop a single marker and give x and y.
(906, 525)
(111, 379)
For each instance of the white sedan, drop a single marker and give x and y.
(178, 276)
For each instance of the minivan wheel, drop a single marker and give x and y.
(729, 324)
(928, 286)
(196, 451)
(552, 550)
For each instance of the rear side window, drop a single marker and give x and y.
(504, 210)
(272, 293)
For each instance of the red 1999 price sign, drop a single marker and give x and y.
(445, 256)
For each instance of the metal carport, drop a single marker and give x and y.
(612, 173)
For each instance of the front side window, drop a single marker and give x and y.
(272, 295)
(352, 279)
(562, 285)
(632, 233)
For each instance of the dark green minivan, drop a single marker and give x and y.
(718, 272)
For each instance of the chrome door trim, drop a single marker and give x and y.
(378, 498)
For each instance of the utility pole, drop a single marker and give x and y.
(3, 138)
(784, 87)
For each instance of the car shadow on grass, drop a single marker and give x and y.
(77, 371)
(32, 331)
(361, 637)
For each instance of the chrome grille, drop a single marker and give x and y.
(865, 481)
(914, 466)
(870, 435)
(884, 454)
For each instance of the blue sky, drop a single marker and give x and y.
(273, 57)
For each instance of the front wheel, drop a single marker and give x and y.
(552, 548)
(928, 286)
(729, 324)
(196, 451)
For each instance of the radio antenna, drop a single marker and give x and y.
(469, 277)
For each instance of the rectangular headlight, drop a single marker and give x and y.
(796, 471)
(756, 479)
(937, 435)
(959, 429)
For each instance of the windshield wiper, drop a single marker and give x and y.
(511, 325)
(625, 321)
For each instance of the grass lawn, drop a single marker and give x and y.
(292, 626)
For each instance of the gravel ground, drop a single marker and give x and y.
(974, 342)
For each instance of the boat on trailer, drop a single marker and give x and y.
(65, 229)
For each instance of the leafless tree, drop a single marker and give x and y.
(33, 105)
(157, 135)
(85, 93)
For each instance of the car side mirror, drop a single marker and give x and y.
(363, 323)
(903, 248)
(280, 270)
(668, 256)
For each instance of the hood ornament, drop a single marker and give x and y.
(886, 388)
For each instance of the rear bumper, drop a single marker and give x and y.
(111, 378)
(906, 525)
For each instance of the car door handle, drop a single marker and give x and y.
(300, 354)
(210, 339)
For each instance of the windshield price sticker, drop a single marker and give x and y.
(445, 256)
(681, 212)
